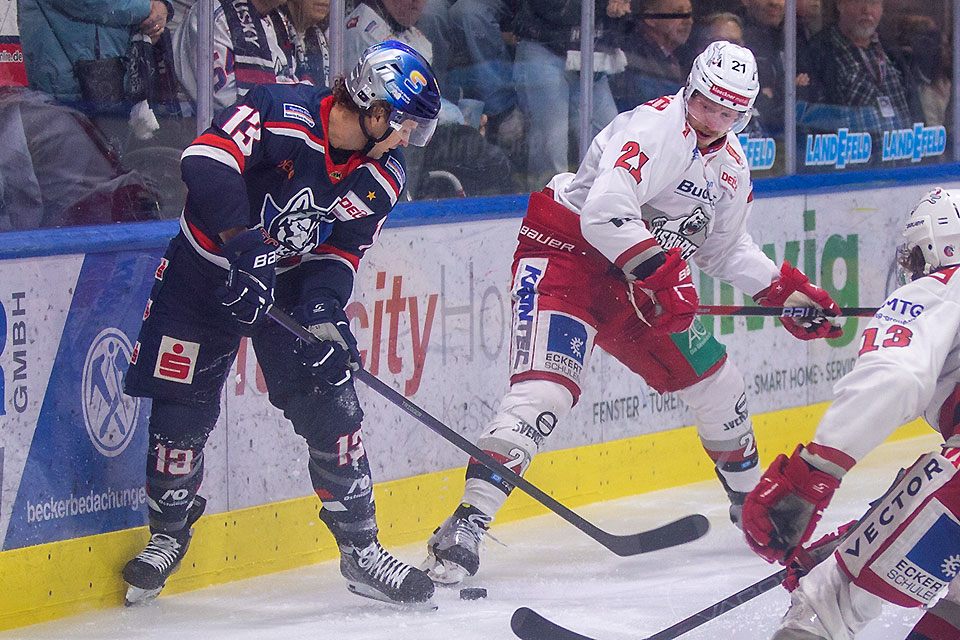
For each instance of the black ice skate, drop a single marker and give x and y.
(453, 551)
(371, 571)
(147, 573)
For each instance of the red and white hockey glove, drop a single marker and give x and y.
(672, 300)
(793, 290)
(782, 511)
(809, 556)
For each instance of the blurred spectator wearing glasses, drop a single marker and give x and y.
(849, 66)
(650, 41)
(253, 43)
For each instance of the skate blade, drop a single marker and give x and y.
(443, 572)
(369, 592)
(137, 596)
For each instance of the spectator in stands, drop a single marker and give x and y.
(547, 75)
(253, 44)
(650, 42)
(479, 64)
(459, 160)
(848, 66)
(763, 34)
(809, 21)
(722, 25)
(75, 51)
(310, 21)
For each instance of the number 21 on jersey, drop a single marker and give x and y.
(632, 159)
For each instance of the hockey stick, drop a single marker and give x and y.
(680, 531)
(527, 624)
(789, 312)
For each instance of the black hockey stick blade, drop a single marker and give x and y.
(527, 624)
(680, 531)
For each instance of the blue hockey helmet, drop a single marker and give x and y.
(397, 74)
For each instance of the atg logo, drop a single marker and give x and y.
(109, 415)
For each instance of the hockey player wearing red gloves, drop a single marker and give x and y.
(906, 549)
(602, 261)
(287, 190)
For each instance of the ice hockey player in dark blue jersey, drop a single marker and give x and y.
(287, 190)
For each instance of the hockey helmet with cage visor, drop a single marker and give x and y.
(397, 74)
(726, 74)
(931, 236)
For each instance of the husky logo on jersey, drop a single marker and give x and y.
(687, 233)
(300, 226)
(109, 415)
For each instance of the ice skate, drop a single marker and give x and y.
(373, 572)
(453, 551)
(147, 573)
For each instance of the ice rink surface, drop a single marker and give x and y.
(546, 565)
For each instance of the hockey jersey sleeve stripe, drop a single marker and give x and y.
(292, 130)
(638, 253)
(202, 244)
(222, 150)
(328, 251)
(828, 459)
(386, 180)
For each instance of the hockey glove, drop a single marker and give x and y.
(793, 290)
(248, 291)
(782, 511)
(671, 299)
(813, 554)
(333, 359)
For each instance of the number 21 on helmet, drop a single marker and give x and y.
(726, 73)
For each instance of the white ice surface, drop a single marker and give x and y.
(546, 565)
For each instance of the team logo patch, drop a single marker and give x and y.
(176, 360)
(938, 551)
(566, 348)
(297, 112)
(109, 416)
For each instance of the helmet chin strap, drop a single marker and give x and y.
(372, 141)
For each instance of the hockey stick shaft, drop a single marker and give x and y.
(790, 312)
(683, 530)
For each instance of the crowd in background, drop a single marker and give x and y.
(115, 82)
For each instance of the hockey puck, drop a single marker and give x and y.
(473, 594)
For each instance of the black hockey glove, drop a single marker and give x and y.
(334, 359)
(248, 291)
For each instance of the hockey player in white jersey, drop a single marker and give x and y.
(906, 549)
(602, 261)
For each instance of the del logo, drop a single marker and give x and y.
(109, 416)
(176, 360)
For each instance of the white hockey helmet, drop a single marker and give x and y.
(931, 235)
(726, 73)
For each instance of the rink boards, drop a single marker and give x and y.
(431, 313)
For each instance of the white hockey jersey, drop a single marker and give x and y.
(643, 177)
(908, 366)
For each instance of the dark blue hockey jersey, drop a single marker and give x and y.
(265, 162)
